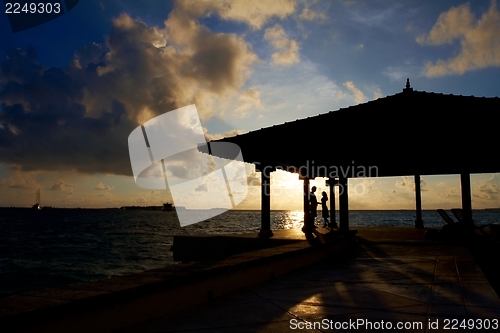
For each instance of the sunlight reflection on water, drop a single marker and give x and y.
(288, 219)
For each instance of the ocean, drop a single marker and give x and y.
(57, 247)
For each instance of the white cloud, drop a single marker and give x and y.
(359, 97)
(61, 185)
(217, 136)
(250, 99)
(311, 15)
(375, 17)
(292, 92)
(479, 40)
(255, 13)
(377, 93)
(396, 73)
(287, 50)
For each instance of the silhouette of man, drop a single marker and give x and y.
(313, 205)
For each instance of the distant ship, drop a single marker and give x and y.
(37, 205)
(168, 207)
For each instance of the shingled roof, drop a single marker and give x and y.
(412, 132)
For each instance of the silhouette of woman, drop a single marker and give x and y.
(324, 209)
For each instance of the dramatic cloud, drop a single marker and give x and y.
(287, 50)
(80, 119)
(479, 40)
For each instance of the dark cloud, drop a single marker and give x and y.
(79, 119)
(45, 122)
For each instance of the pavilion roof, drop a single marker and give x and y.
(412, 132)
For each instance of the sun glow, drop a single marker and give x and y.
(286, 179)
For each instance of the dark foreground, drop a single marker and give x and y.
(381, 276)
(393, 276)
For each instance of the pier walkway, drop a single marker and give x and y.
(393, 276)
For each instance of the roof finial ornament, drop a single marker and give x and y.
(408, 88)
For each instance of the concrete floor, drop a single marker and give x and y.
(393, 277)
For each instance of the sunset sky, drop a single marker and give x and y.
(73, 89)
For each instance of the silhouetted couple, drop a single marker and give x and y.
(313, 208)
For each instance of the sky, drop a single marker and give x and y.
(74, 88)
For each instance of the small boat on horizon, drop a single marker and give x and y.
(37, 205)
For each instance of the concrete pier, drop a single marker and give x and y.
(394, 276)
(390, 274)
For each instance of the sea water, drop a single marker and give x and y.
(57, 247)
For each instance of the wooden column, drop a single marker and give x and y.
(307, 219)
(333, 218)
(265, 226)
(466, 199)
(343, 204)
(418, 203)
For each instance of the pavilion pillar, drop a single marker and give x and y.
(307, 218)
(265, 222)
(419, 223)
(466, 199)
(333, 218)
(343, 204)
